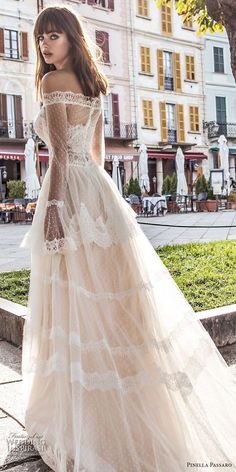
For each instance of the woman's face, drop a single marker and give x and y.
(54, 47)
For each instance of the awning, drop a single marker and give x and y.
(170, 154)
(123, 153)
(232, 150)
(16, 153)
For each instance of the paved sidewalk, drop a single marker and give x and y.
(16, 454)
(14, 258)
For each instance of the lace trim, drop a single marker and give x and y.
(165, 344)
(119, 295)
(71, 98)
(177, 381)
(54, 245)
(58, 203)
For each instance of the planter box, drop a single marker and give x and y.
(212, 205)
(201, 206)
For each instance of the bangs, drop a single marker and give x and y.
(47, 22)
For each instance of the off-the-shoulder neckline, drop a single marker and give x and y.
(79, 94)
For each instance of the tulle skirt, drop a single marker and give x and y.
(118, 374)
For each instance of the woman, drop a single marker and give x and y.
(119, 375)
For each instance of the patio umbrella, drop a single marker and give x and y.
(182, 188)
(224, 162)
(116, 173)
(143, 169)
(31, 178)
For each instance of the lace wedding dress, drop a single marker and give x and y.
(118, 374)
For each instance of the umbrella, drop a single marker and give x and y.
(143, 169)
(116, 173)
(182, 188)
(224, 161)
(31, 178)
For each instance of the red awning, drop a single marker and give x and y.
(189, 155)
(16, 153)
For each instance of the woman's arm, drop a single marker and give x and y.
(98, 142)
(56, 119)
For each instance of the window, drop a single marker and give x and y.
(109, 4)
(147, 113)
(102, 40)
(188, 24)
(166, 19)
(11, 44)
(171, 123)
(194, 119)
(11, 120)
(145, 60)
(221, 110)
(190, 67)
(219, 60)
(168, 69)
(143, 7)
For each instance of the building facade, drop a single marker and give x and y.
(220, 99)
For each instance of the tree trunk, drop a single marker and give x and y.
(225, 10)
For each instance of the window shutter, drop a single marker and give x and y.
(190, 67)
(3, 115)
(180, 120)
(194, 119)
(1, 42)
(145, 60)
(102, 40)
(115, 114)
(177, 72)
(24, 46)
(143, 7)
(163, 121)
(147, 113)
(18, 116)
(111, 5)
(160, 69)
(166, 20)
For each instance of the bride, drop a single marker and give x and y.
(118, 374)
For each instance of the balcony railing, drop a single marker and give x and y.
(216, 129)
(16, 129)
(120, 130)
(169, 83)
(172, 136)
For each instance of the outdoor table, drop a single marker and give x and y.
(156, 205)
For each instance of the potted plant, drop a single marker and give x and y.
(169, 187)
(135, 190)
(232, 200)
(201, 190)
(212, 203)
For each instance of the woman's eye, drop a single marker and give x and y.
(40, 38)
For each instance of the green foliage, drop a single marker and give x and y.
(201, 185)
(169, 186)
(232, 197)
(204, 272)
(173, 188)
(14, 286)
(134, 187)
(16, 188)
(197, 11)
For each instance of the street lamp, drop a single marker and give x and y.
(154, 179)
(3, 176)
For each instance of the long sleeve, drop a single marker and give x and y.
(56, 119)
(98, 142)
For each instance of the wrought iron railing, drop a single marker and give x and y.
(217, 129)
(120, 130)
(172, 136)
(12, 129)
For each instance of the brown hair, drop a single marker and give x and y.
(63, 20)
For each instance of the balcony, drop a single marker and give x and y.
(172, 136)
(16, 129)
(169, 83)
(216, 129)
(124, 131)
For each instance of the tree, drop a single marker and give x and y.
(210, 15)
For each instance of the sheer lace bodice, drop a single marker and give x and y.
(72, 123)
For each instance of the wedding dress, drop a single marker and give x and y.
(118, 374)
